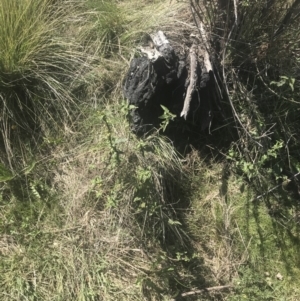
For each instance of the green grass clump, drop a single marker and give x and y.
(107, 25)
(39, 64)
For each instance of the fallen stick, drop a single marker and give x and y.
(193, 81)
(205, 290)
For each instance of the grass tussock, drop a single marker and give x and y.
(107, 25)
(39, 67)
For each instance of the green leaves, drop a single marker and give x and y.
(252, 169)
(166, 117)
(143, 175)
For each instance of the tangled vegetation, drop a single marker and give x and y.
(91, 212)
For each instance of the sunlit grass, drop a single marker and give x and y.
(38, 66)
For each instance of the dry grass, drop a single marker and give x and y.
(94, 241)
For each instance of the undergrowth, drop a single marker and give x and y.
(102, 228)
(257, 46)
(91, 212)
(254, 245)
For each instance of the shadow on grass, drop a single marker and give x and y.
(179, 267)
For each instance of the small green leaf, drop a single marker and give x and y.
(171, 222)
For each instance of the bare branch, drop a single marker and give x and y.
(205, 290)
(193, 81)
(235, 3)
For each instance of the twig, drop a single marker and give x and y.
(62, 230)
(235, 115)
(205, 290)
(235, 2)
(193, 82)
(204, 40)
(271, 90)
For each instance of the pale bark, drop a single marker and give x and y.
(152, 52)
(193, 81)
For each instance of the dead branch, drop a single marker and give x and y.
(205, 290)
(153, 51)
(193, 81)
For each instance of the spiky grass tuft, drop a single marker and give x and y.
(38, 66)
(108, 24)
